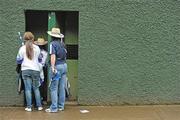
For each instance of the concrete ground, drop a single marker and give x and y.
(72, 112)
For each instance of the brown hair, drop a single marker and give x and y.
(29, 39)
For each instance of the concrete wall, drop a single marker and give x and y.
(128, 49)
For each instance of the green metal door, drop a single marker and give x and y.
(71, 39)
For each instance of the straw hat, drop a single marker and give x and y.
(55, 32)
(40, 41)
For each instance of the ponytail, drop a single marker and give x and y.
(29, 38)
(29, 49)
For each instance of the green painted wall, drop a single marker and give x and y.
(129, 50)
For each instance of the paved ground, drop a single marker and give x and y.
(164, 112)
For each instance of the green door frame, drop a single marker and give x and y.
(51, 24)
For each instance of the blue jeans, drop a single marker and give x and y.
(57, 88)
(31, 80)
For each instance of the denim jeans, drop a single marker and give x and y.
(57, 88)
(31, 80)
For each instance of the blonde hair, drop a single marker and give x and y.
(29, 39)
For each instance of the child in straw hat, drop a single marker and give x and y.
(42, 45)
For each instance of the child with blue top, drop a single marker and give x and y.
(58, 71)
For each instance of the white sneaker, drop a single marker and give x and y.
(50, 111)
(61, 109)
(40, 108)
(28, 109)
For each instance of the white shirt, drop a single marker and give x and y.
(28, 64)
(44, 57)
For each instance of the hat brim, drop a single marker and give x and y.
(40, 43)
(55, 35)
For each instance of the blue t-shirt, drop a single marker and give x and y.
(58, 48)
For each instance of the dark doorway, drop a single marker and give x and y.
(39, 22)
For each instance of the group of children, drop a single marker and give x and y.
(32, 58)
